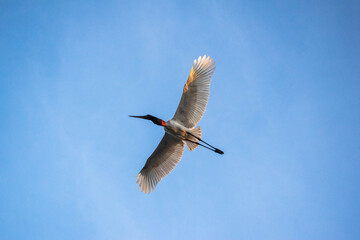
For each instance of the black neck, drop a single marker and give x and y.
(155, 120)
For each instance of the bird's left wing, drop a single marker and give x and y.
(163, 160)
(196, 93)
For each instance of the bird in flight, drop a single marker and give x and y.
(180, 130)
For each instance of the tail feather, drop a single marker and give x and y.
(196, 132)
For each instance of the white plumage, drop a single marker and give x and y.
(188, 114)
(196, 93)
(163, 160)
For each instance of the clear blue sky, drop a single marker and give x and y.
(284, 106)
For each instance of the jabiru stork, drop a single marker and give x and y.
(180, 130)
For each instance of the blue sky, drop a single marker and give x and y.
(284, 106)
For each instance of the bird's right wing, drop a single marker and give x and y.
(196, 93)
(163, 160)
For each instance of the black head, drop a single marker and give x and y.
(155, 120)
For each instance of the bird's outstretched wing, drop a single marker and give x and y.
(163, 160)
(196, 93)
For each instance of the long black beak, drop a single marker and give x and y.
(143, 117)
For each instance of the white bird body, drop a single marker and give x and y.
(181, 128)
(175, 129)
